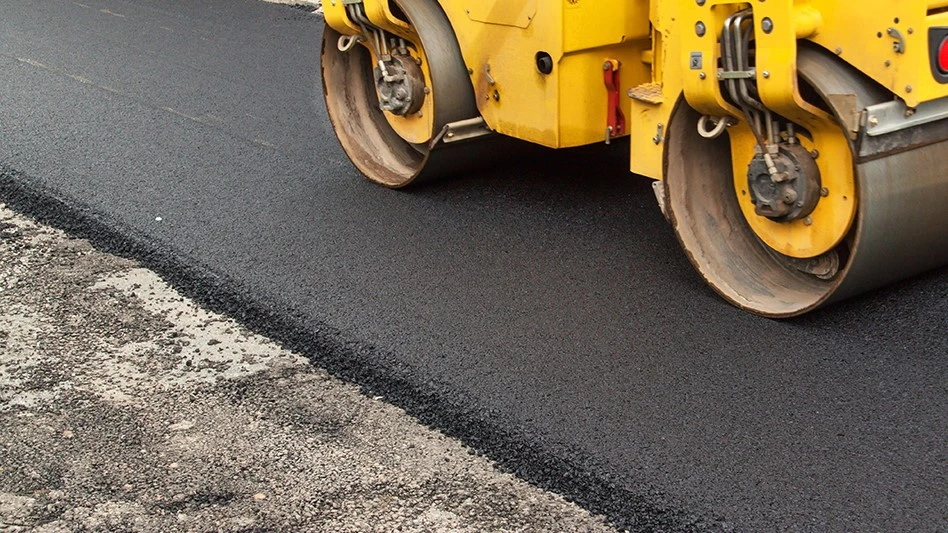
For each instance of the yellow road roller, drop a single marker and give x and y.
(798, 147)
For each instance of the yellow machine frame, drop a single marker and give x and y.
(653, 42)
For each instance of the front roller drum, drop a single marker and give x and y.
(900, 228)
(362, 127)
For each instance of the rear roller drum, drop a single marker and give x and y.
(813, 221)
(392, 90)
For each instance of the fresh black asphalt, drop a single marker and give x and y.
(540, 310)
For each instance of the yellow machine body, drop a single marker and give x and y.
(669, 53)
(652, 42)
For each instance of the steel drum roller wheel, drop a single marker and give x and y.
(900, 226)
(352, 100)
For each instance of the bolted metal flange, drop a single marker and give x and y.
(792, 192)
(401, 85)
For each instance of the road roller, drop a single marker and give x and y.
(798, 147)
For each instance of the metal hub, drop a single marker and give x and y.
(401, 85)
(790, 193)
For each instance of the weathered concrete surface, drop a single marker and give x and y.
(123, 405)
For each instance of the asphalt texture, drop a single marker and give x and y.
(540, 310)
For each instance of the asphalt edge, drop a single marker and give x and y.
(553, 468)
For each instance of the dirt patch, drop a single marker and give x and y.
(125, 406)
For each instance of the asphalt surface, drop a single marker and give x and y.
(540, 311)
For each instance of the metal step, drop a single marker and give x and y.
(650, 93)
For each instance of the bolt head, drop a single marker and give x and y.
(700, 29)
(767, 25)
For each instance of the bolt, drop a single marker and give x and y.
(767, 25)
(909, 112)
(607, 66)
(824, 192)
(888, 63)
(800, 204)
(908, 88)
(766, 74)
(808, 221)
(839, 51)
(496, 96)
(873, 121)
(702, 76)
(420, 114)
(700, 2)
(700, 29)
(720, 75)
(815, 154)
(427, 90)
(470, 71)
(911, 31)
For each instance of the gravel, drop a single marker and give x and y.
(126, 406)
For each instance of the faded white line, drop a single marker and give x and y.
(114, 14)
(33, 62)
(206, 120)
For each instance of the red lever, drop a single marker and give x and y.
(615, 119)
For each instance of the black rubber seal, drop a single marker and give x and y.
(936, 36)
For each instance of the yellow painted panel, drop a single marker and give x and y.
(583, 101)
(860, 34)
(568, 106)
(516, 13)
(593, 23)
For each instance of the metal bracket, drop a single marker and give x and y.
(899, 45)
(737, 74)
(461, 130)
(895, 115)
(615, 118)
(659, 134)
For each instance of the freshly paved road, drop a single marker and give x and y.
(541, 312)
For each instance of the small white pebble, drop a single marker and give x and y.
(157, 219)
